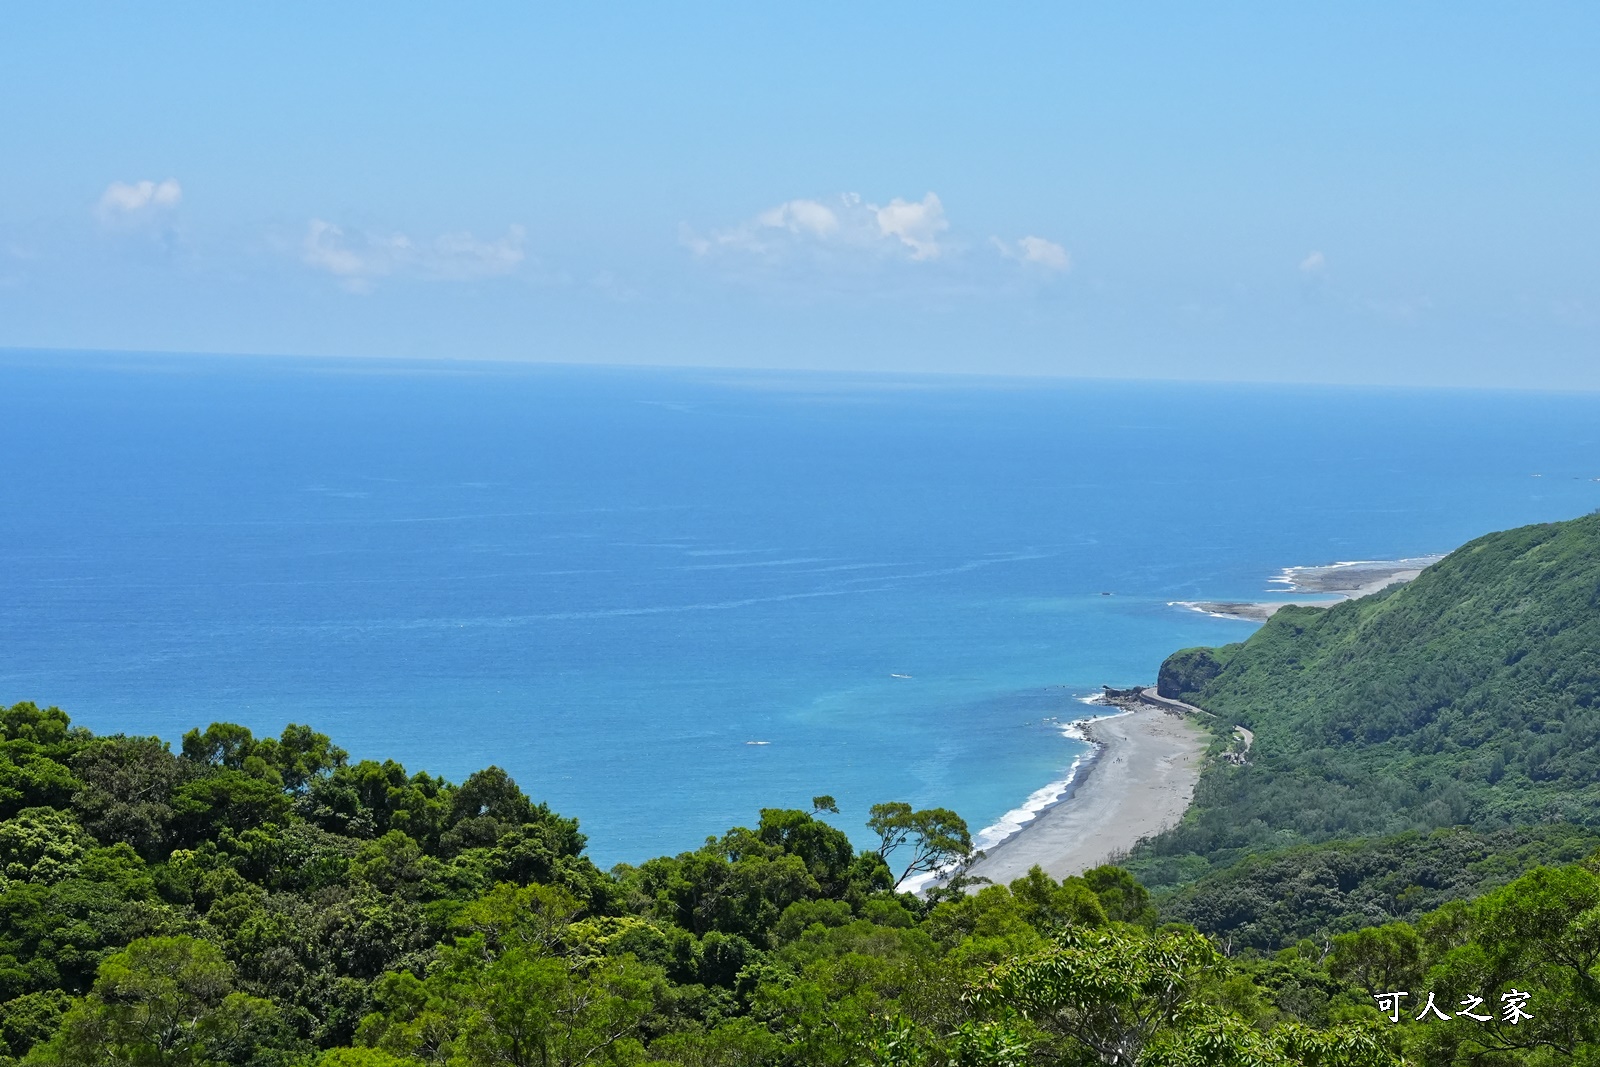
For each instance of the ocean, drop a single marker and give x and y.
(665, 599)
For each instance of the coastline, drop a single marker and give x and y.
(1137, 782)
(1349, 580)
(1139, 778)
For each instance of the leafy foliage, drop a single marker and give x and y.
(1277, 899)
(265, 902)
(934, 837)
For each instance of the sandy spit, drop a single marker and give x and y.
(1349, 581)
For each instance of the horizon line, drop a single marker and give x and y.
(952, 376)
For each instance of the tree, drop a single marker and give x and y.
(41, 845)
(225, 799)
(522, 1007)
(29, 1019)
(738, 1043)
(1121, 895)
(164, 1002)
(1109, 991)
(1129, 997)
(534, 918)
(826, 850)
(126, 792)
(29, 722)
(938, 837)
(300, 755)
(223, 744)
(1213, 1038)
(362, 1057)
(491, 793)
(1540, 935)
(1378, 958)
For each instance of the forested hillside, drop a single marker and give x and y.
(1466, 697)
(1274, 900)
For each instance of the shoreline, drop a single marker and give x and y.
(1137, 782)
(1140, 776)
(1347, 581)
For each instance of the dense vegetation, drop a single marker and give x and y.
(1420, 795)
(1278, 899)
(1470, 696)
(267, 902)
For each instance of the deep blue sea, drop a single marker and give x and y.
(613, 582)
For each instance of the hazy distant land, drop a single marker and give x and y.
(1345, 580)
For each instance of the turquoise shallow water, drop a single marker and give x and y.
(611, 582)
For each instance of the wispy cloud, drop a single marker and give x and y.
(1036, 250)
(1314, 263)
(358, 258)
(806, 217)
(1401, 308)
(847, 246)
(125, 202)
(844, 225)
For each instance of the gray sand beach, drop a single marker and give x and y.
(1140, 784)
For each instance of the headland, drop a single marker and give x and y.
(1325, 585)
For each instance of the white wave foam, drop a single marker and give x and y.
(1189, 605)
(746, 565)
(511, 621)
(1077, 728)
(1018, 817)
(1039, 801)
(1290, 575)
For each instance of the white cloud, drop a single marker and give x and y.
(1036, 250)
(359, 259)
(801, 216)
(124, 202)
(909, 229)
(1313, 263)
(463, 256)
(917, 224)
(327, 249)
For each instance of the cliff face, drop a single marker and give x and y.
(1186, 673)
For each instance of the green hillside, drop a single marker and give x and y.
(1277, 899)
(1466, 697)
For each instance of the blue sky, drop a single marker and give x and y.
(1369, 193)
